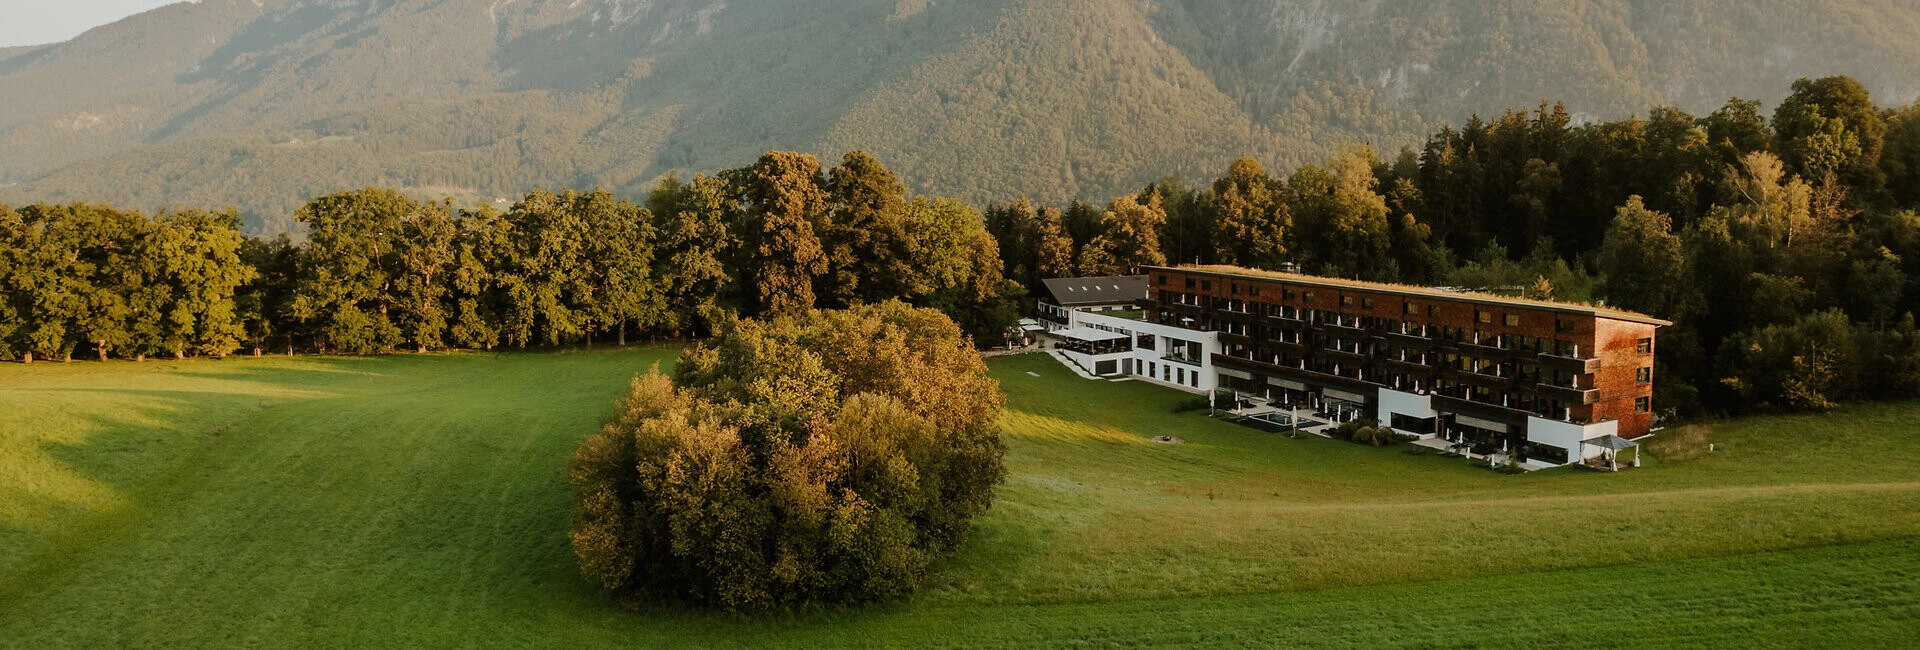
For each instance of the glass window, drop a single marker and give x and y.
(1433, 311)
(1413, 310)
(1189, 283)
(1646, 346)
(1366, 303)
(1206, 285)
(1485, 316)
(1513, 320)
(1642, 404)
(1308, 297)
(1643, 375)
(1346, 301)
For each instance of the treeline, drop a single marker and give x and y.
(1785, 248)
(381, 272)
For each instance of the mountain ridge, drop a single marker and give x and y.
(259, 105)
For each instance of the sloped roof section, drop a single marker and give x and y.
(1101, 290)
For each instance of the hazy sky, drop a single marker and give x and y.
(29, 22)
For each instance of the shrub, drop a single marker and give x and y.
(1367, 431)
(835, 457)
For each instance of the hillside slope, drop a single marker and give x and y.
(259, 105)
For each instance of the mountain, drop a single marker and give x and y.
(259, 104)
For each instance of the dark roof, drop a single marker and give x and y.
(1103, 290)
(1418, 291)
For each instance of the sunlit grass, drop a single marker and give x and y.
(417, 501)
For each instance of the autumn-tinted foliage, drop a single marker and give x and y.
(836, 456)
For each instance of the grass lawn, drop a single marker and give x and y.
(416, 501)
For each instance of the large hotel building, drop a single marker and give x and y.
(1427, 362)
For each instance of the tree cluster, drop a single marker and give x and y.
(832, 456)
(94, 278)
(380, 271)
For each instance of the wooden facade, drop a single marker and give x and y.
(1480, 358)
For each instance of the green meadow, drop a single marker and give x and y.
(417, 501)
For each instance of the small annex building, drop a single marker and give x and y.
(1106, 293)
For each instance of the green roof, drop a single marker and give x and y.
(1599, 311)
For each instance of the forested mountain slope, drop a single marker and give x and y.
(262, 104)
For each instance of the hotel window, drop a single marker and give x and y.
(1160, 279)
(1253, 290)
(1235, 286)
(1646, 346)
(1642, 404)
(1206, 285)
(1308, 297)
(1189, 283)
(1563, 326)
(1346, 301)
(1513, 320)
(1286, 294)
(1413, 309)
(1366, 303)
(1433, 311)
(1485, 316)
(1643, 375)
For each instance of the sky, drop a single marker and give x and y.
(31, 22)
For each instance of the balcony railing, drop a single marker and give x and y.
(1180, 357)
(1573, 364)
(1568, 394)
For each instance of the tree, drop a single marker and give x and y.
(542, 269)
(830, 457)
(1053, 249)
(477, 287)
(14, 300)
(1642, 263)
(1358, 241)
(124, 301)
(263, 302)
(1773, 206)
(1250, 219)
(427, 254)
(1189, 233)
(347, 273)
(1808, 364)
(1900, 159)
(784, 209)
(1830, 126)
(618, 274)
(1129, 237)
(694, 238)
(1874, 288)
(866, 244)
(193, 267)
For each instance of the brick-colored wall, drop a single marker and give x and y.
(1618, 380)
(1614, 342)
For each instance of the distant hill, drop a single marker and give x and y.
(259, 105)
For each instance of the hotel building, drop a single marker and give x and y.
(1428, 362)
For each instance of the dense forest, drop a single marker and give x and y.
(262, 105)
(1784, 245)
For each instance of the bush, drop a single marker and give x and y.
(1367, 431)
(836, 457)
